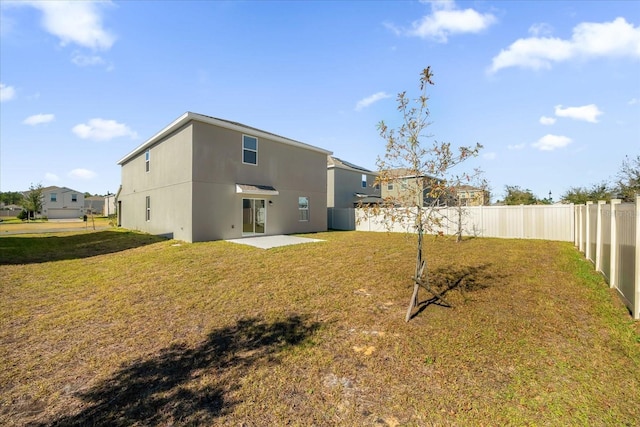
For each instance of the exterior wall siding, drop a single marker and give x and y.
(168, 184)
(192, 184)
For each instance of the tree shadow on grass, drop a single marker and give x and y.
(465, 278)
(45, 248)
(188, 385)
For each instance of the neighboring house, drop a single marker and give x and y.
(401, 187)
(62, 203)
(109, 205)
(472, 196)
(348, 185)
(10, 210)
(202, 178)
(94, 205)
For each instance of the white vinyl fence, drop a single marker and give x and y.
(549, 222)
(608, 234)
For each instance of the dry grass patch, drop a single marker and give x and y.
(158, 332)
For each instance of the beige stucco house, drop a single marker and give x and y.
(402, 187)
(468, 195)
(62, 203)
(202, 178)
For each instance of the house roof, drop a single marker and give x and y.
(406, 173)
(334, 162)
(189, 116)
(54, 188)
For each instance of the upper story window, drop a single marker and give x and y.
(364, 181)
(249, 150)
(54, 197)
(74, 197)
(389, 186)
(303, 208)
(147, 160)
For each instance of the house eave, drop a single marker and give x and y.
(189, 116)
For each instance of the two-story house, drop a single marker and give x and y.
(202, 178)
(350, 185)
(62, 203)
(405, 189)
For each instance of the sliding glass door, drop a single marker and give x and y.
(254, 216)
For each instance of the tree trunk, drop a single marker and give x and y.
(420, 266)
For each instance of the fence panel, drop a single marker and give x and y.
(341, 218)
(592, 211)
(605, 241)
(626, 236)
(554, 222)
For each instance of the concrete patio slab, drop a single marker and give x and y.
(268, 242)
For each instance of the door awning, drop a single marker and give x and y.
(261, 190)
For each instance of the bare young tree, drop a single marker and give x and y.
(417, 176)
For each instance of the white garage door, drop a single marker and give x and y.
(63, 213)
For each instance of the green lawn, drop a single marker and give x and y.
(121, 328)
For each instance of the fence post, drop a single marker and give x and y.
(580, 228)
(601, 203)
(613, 274)
(587, 249)
(636, 284)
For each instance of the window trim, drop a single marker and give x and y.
(148, 208)
(147, 160)
(301, 216)
(249, 149)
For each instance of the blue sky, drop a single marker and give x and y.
(551, 89)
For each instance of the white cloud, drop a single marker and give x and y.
(7, 93)
(547, 120)
(446, 20)
(634, 101)
(78, 22)
(102, 130)
(551, 142)
(516, 146)
(540, 29)
(368, 101)
(489, 156)
(51, 177)
(38, 119)
(588, 113)
(617, 38)
(86, 60)
(82, 174)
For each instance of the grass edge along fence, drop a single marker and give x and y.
(606, 233)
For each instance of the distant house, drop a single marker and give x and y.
(202, 178)
(348, 185)
(62, 203)
(472, 196)
(94, 205)
(109, 205)
(400, 186)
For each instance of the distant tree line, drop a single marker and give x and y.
(624, 186)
